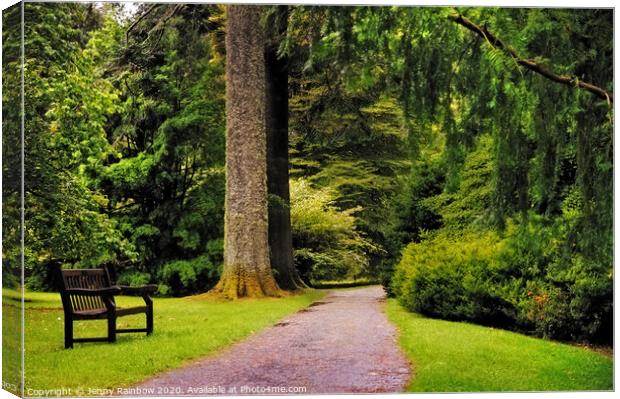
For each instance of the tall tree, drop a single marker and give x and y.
(247, 269)
(280, 235)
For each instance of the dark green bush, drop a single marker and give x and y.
(42, 276)
(185, 277)
(527, 280)
(318, 266)
(10, 276)
(412, 214)
(133, 278)
(453, 279)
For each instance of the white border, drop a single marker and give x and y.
(483, 3)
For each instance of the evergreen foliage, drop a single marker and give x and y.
(166, 183)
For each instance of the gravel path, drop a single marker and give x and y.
(340, 344)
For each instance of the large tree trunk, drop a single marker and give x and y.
(247, 270)
(280, 237)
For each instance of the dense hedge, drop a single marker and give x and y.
(523, 281)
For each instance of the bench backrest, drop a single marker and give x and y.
(85, 279)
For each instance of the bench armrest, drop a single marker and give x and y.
(94, 292)
(141, 290)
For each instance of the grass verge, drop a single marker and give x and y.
(185, 328)
(462, 357)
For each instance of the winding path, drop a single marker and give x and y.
(340, 344)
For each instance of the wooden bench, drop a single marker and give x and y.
(87, 294)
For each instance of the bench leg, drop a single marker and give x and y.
(68, 332)
(149, 314)
(149, 321)
(111, 328)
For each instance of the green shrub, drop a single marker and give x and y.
(527, 280)
(453, 279)
(319, 266)
(133, 278)
(10, 276)
(184, 277)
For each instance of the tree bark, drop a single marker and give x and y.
(280, 235)
(247, 270)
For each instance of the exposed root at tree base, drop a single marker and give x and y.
(234, 287)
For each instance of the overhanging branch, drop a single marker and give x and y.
(137, 21)
(531, 64)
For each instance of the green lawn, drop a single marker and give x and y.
(11, 346)
(446, 356)
(460, 357)
(185, 328)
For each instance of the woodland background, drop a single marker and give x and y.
(421, 154)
